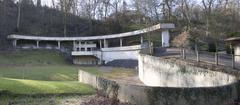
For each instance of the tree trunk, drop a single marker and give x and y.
(216, 54)
(19, 15)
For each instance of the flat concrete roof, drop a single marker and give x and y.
(163, 26)
(233, 39)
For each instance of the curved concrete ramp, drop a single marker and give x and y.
(101, 37)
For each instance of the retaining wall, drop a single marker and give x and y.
(199, 92)
(115, 53)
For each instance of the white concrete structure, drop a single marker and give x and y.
(235, 44)
(165, 38)
(128, 52)
(97, 48)
(156, 72)
(237, 53)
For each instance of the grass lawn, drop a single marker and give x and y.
(112, 73)
(47, 73)
(39, 72)
(42, 77)
(33, 87)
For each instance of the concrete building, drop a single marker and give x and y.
(235, 44)
(95, 50)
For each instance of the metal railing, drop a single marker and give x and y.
(217, 58)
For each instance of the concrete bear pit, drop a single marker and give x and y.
(174, 83)
(160, 73)
(169, 83)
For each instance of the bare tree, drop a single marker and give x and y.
(19, 14)
(66, 8)
(39, 3)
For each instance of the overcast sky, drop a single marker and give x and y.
(46, 2)
(49, 2)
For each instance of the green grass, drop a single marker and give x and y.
(47, 73)
(31, 57)
(20, 86)
(92, 70)
(39, 72)
(114, 72)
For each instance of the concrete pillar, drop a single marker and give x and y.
(105, 43)
(37, 43)
(141, 39)
(79, 43)
(100, 43)
(74, 46)
(121, 42)
(15, 43)
(85, 47)
(237, 54)
(59, 44)
(165, 38)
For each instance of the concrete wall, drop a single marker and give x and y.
(165, 38)
(145, 95)
(115, 53)
(154, 71)
(85, 60)
(237, 52)
(123, 92)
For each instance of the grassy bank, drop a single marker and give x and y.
(32, 87)
(39, 72)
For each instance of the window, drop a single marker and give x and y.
(88, 49)
(82, 49)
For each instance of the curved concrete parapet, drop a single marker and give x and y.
(157, 72)
(146, 95)
(173, 83)
(170, 83)
(164, 26)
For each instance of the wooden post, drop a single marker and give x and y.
(233, 61)
(233, 56)
(197, 53)
(216, 58)
(184, 55)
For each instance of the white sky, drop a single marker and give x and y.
(49, 2)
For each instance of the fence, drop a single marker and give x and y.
(217, 58)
